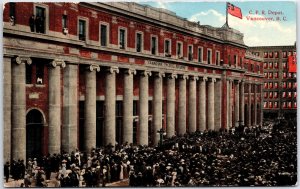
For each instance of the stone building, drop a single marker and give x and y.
(92, 74)
(280, 85)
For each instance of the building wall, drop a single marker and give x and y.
(65, 60)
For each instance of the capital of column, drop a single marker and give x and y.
(159, 74)
(193, 77)
(93, 67)
(172, 76)
(212, 79)
(113, 69)
(183, 76)
(146, 73)
(130, 71)
(58, 62)
(203, 78)
(23, 60)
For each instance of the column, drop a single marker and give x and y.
(182, 105)
(90, 103)
(157, 106)
(229, 102)
(255, 104)
(218, 104)
(143, 107)
(55, 106)
(128, 106)
(237, 103)
(261, 105)
(242, 102)
(192, 105)
(70, 111)
(211, 104)
(249, 105)
(202, 104)
(110, 106)
(18, 107)
(7, 99)
(171, 105)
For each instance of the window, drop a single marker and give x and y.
(289, 85)
(265, 65)
(265, 94)
(266, 85)
(284, 54)
(284, 74)
(235, 60)
(270, 75)
(200, 54)
(190, 51)
(290, 75)
(265, 104)
(265, 54)
(153, 45)
(12, 13)
(209, 56)
(217, 58)
(283, 104)
(150, 107)
(275, 85)
(295, 85)
(179, 50)
(275, 104)
(135, 108)
(295, 94)
(28, 74)
(276, 65)
(270, 65)
(289, 104)
(82, 30)
(283, 94)
(270, 54)
(39, 73)
(295, 104)
(284, 85)
(139, 42)
(64, 21)
(122, 35)
(290, 94)
(241, 61)
(266, 75)
(167, 48)
(40, 19)
(103, 35)
(270, 85)
(276, 74)
(276, 54)
(229, 60)
(284, 65)
(270, 104)
(275, 94)
(271, 95)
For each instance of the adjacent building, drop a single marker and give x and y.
(280, 85)
(84, 75)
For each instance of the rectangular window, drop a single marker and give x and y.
(179, 50)
(64, 21)
(39, 73)
(283, 94)
(82, 32)
(275, 85)
(229, 60)
(28, 74)
(139, 42)
(265, 54)
(209, 56)
(40, 19)
(153, 45)
(284, 65)
(235, 60)
(270, 85)
(275, 94)
(241, 61)
(190, 51)
(265, 65)
(270, 54)
(12, 11)
(283, 104)
(275, 104)
(167, 48)
(284, 85)
(122, 38)
(284, 54)
(135, 108)
(200, 54)
(270, 65)
(103, 35)
(217, 58)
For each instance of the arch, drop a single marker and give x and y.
(35, 122)
(42, 113)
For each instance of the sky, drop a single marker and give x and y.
(256, 32)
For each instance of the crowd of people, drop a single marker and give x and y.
(257, 156)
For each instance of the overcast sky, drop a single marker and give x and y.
(256, 33)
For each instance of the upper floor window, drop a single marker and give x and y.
(64, 21)
(270, 65)
(284, 65)
(217, 58)
(37, 21)
(276, 54)
(139, 42)
(241, 61)
(284, 54)
(190, 52)
(265, 65)
(265, 54)
(270, 54)
(229, 60)
(179, 50)
(12, 13)
(209, 56)
(153, 45)
(200, 54)
(167, 48)
(276, 65)
(39, 74)
(82, 30)
(235, 58)
(122, 38)
(103, 35)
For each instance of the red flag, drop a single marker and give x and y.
(234, 11)
(292, 63)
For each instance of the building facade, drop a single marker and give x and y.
(280, 85)
(92, 74)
